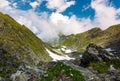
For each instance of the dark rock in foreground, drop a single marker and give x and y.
(111, 76)
(96, 53)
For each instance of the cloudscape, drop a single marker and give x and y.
(48, 18)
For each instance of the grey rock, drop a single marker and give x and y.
(95, 53)
(111, 76)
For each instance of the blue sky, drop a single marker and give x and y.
(48, 18)
(76, 9)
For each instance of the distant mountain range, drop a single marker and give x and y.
(109, 38)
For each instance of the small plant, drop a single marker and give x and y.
(100, 67)
(60, 70)
(115, 63)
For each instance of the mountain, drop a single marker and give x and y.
(24, 57)
(109, 38)
(18, 45)
(18, 40)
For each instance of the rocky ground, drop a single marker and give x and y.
(96, 64)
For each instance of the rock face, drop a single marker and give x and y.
(101, 63)
(116, 46)
(30, 73)
(8, 64)
(95, 53)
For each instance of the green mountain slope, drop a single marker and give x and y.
(18, 45)
(19, 40)
(106, 38)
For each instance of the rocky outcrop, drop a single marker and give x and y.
(32, 73)
(111, 76)
(8, 64)
(95, 53)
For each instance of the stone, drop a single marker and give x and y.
(95, 53)
(113, 75)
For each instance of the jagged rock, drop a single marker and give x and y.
(111, 76)
(76, 61)
(32, 73)
(95, 53)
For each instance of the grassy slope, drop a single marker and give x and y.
(95, 35)
(18, 45)
(17, 39)
(98, 66)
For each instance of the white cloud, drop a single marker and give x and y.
(50, 25)
(4, 5)
(59, 5)
(35, 4)
(14, 5)
(105, 14)
(85, 7)
(69, 25)
(25, 1)
(22, 20)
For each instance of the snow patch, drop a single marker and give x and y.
(80, 56)
(66, 50)
(108, 49)
(63, 49)
(58, 57)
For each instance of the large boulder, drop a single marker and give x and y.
(95, 53)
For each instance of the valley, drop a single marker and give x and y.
(93, 55)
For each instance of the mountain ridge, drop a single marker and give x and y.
(18, 46)
(104, 38)
(20, 36)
